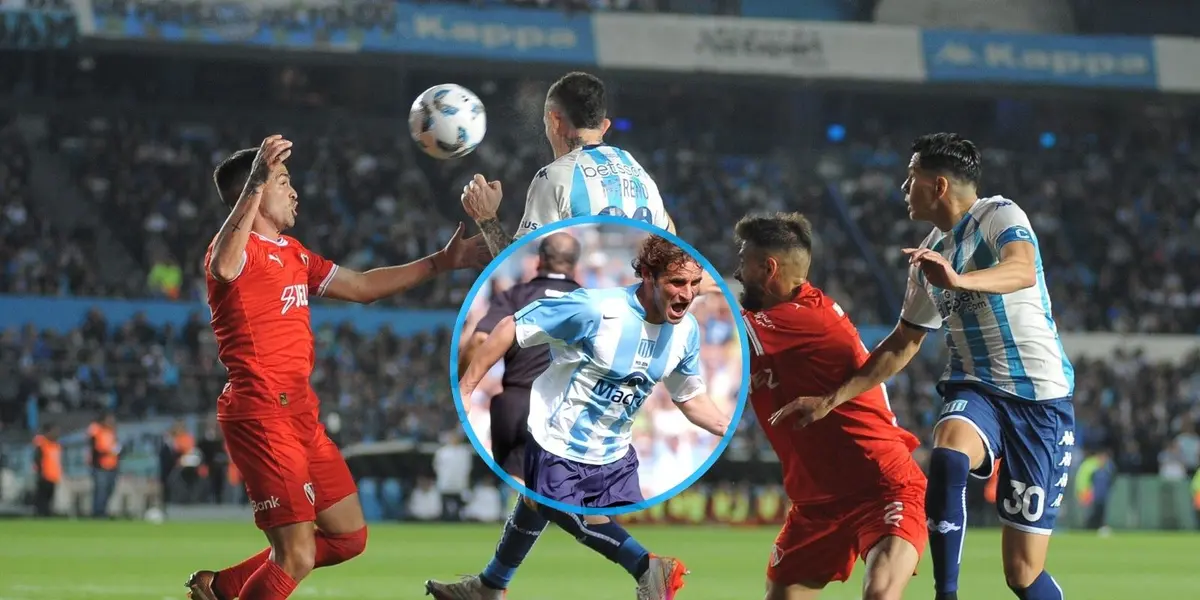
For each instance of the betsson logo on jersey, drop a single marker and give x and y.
(294, 295)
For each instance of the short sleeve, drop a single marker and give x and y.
(321, 272)
(249, 260)
(543, 203)
(1007, 223)
(918, 309)
(499, 308)
(567, 320)
(685, 382)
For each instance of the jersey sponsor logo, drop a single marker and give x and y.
(268, 504)
(630, 391)
(310, 493)
(950, 302)
(610, 169)
(763, 377)
(293, 295)
(276, 259)
(892, 514)
(530, 225)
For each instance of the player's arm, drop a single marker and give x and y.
(1007, 234)
(481, 199)
(493, 348)
(364, 288)
(1016, 271)
(229, 249)
(689, 392)
(918, 316)
(499, 308)
(543, 202)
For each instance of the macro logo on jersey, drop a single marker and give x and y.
(950, 302)
(295, 295)
(630, 390)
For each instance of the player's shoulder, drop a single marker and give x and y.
(559, 169)
(996, 206)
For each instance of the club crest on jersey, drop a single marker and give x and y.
(776, 555)
(645, 348)
(310, 493)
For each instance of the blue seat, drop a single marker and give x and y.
(368, 494)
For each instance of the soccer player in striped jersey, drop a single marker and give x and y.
(609, 349)
(587, 177)
(1007, 390)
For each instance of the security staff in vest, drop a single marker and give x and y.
(558, 254)
(104, 459)
(47, 469)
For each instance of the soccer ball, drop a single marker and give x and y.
(447, 121)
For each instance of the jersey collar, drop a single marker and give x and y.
(631, 295)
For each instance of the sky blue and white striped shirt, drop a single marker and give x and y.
(592, 180)
(1007, 342)
(606, 360)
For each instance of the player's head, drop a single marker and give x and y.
(50, 431)
(944, 170)
(558, 253)
(279, 199)
(670, 278)
(774, 255)
(576, 112)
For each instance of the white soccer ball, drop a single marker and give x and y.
(447, 121)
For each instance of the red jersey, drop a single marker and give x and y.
(809, 347)
(263, 330)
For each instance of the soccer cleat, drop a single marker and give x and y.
(199, 586)
(468, 588)
(662, 580)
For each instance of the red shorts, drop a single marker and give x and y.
(820, 543)
(291, 468)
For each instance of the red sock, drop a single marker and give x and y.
(269, 582)
(333, 549)
(229, 582)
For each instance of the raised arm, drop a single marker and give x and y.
(229, 248)
(481, 199)
(364, 288)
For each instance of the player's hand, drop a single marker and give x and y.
(806, 409)
(463, 252)
(935, 267)
(272, 153)
(481, 198)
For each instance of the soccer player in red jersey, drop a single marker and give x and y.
(259, 283)
(856, 490)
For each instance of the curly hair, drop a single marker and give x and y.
(658, 255)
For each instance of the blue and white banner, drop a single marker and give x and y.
(491, 33)
(1117, 62)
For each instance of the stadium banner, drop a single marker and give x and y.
(1113, 62)
(1178, 62)
(33, 29)
(372, 25)
(737, 46)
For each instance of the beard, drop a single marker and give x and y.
(752, 296)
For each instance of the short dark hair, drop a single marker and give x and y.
(582, 98)
(657, 255)
(779, 232)
(230, 176)
(950, 154)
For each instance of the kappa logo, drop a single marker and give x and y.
(310, 493)
(942, 527)
(267, 504)
(776, 555)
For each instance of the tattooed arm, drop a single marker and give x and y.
(493, 233)
(481, 200)
(229, 248)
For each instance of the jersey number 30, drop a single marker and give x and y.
(1027, 500)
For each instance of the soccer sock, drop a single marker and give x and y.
(521, 531)
(228, 583)
(269, 582)
(946, 509)
(337, 548)
(608, 539)
(1042, 588)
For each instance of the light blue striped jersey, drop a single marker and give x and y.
(605, 361)
(592, 180)
(1007, 342)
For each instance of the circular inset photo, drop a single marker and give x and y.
(599, 366)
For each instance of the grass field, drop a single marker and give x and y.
(133, 561)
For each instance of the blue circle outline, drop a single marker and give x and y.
(456, 338)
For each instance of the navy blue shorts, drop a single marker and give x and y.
(1034, 442)
(580, 484)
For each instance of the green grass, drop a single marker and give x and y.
(92, 561)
